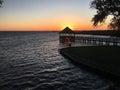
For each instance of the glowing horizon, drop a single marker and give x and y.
(47, 15)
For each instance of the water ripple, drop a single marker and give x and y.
(30, 61)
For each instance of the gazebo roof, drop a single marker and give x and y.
(67, 30)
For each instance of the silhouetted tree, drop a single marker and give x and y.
(105, 8)
(1, 1)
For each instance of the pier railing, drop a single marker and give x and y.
(97, 39)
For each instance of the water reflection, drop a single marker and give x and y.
(32, 61)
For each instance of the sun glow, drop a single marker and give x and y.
(67, 25)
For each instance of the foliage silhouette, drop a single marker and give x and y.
(1, 1)
(104, 9)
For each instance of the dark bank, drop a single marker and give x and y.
(102, 58)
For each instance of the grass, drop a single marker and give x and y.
(104, 58)
(96, 52)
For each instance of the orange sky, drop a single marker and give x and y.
(46, 15)
(57, 24)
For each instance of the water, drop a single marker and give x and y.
(31, 61)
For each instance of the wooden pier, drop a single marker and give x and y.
(97, 40)
(87, 37)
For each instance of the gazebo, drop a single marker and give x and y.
(66, 34)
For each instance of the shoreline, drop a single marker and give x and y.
(107, 62)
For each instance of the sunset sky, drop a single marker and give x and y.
(47, 15)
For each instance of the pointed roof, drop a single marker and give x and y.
(67, 30)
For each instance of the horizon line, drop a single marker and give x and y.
(49, 30)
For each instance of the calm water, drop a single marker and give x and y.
(31, 61)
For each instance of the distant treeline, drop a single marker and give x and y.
(101, 32)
